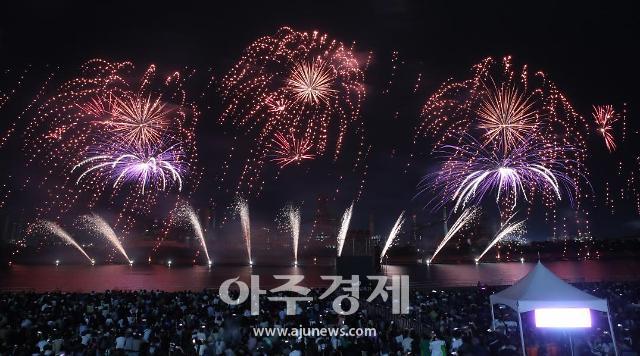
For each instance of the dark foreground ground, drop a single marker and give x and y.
(199, 323)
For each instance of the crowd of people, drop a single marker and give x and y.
(440, 322)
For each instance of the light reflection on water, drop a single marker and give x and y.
(81, 278)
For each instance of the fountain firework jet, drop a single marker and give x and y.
(506, 230)
(344, 227)
(242, 207)
(185, 213)
(102, 228)
(57, 230)
(467, 215)
(294, 225)
(392, 235)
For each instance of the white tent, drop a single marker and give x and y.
(541, 288)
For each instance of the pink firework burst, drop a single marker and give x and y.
(516, 105)
(305, 82)
(605, 116)
(288, 150)
(135, 120)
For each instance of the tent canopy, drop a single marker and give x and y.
(541, 288)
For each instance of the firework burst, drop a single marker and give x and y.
(138, 121)
(116, 128)
(137, 166)
(506, 107)
(471, 171)
(504, 104)
(605, 116)
(288, 150)
(299, 82)
(507, 116)
(521, 119)
(312, 83)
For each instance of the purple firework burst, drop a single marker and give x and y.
(473, 171)
(142, 166)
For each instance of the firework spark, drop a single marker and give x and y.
(288, 150)
(344, 228)
(507, 116)
(293, 214)
(242, 207)
(137, 166)
(507, 229)
(392, 235)
(58, 231)
(101, 227)
(605, 116)
(465, 218)
(186, 213)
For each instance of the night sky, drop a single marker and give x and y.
(587, 48)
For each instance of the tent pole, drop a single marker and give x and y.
(493, 318)
(570, 342)
(524, 352)
(613, 334)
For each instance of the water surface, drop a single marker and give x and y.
(81, 278)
